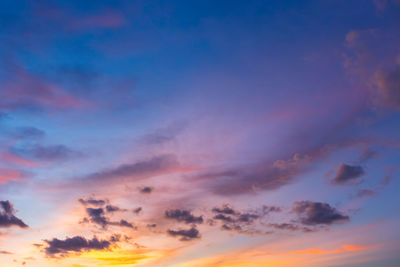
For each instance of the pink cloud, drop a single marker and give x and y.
(11, 158)
(28, 90)
(9, 175)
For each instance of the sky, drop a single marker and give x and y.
(199, 133)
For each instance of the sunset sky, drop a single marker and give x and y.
(200, 133)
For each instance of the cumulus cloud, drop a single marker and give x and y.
(75, 244)
(7, 217)
(317, 213)
(346, 173)
(185, 235)
(183, 216)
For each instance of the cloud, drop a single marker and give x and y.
(146, 190)
(137, 210)
(7, 217)
(7, 175)
(316, 213)
(388, 88)
(29, 133)
(289, 227)
(382, 4)
(225, 209)
(267, 176)
(75, 244)
(273, 174)
(112, 208)
(123, 223)
(25, 91)
(366, 193)
(183, 216)
(14, 159)
(94, 202)
(51, 152)
(346, 173)
(239, 221)
(163, 135)
(139, 170)
(97, 216)
(185, 235)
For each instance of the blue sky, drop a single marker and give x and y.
(201, 133)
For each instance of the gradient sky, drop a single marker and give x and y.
(199, 133)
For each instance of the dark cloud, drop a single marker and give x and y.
(52, 152)
(239, 221)
(94, 202)
(7, 217)
(75, 244)
(225, 209)
(123, 223)
(183, 216)
(227, 227)
(152, 225)
(388, 88)
(97, 216)
(268, 209)
(146, 190)
(137, 210)
(185, 235)
(154, 166)
(316, 213)
(290, 227)
(346, 173)
(112, 208)
(222, 217)
(284, 226)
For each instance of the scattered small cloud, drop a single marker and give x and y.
(318, 213)
(185, 234)
(146, 190)
(183, 216)
(347, 173)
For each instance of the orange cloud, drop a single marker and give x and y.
(315, 251)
